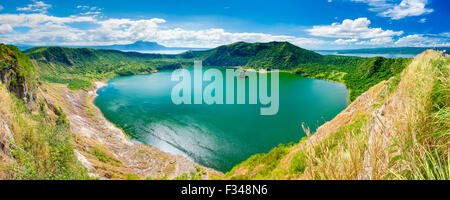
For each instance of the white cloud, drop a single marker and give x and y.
(423, 20)
(395, 10)
(88, 10)
(36, 20)
(91, 13)
(408, 8)
(446, 34)
(83, 7)
(45, 29)
(419, 40)
(343, 41)
(36, 6)
(216, 37)
(51, 30)
(4, 28)
(377, 41)
(358, 28)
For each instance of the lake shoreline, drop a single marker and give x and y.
(291, 72)
(101, 84)
(103, 102)
(95, 131)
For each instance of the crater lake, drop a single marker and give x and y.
(217, 136)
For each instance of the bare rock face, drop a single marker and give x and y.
(17, 73)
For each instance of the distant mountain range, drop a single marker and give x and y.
(137, 46)
(358, 74)
(146, 47)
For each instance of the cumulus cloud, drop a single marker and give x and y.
(51, 30)
(343, 41)
(36, 6)
(419, 40)
(88, 10)
(407, 8)
(44, 29)
(396, 10)
(36, 20)
(358, 28)
(216, 37)
(4, 28)
(377, 41)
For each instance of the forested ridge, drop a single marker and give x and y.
(79, 67)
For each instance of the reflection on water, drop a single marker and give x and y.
(217, 136)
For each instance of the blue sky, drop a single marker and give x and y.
(312, 24)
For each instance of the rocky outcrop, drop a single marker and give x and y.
(17, 74)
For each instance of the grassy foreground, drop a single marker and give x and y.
(398, 129)
(35, 137)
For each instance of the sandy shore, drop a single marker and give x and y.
(127, 157)
(100, 84)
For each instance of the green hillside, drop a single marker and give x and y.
(399, 129)
(357, 73)
(17, 72)
(35, 137)
(277, 55)
(81, 66)
(78, 67)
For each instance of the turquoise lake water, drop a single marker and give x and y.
(217, 136)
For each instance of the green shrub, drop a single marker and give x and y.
(100, 154)
(298, 163)
(42, 150)
(132, 177)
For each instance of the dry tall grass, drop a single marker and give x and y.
(405, 137)
(422, 127)
(398, 129)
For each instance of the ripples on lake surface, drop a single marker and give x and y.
(217, 136)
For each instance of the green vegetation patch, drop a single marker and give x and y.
(193, 175)
(42, 150)
(132, 177)
(100, 154)
(298, 163)
(260, 166)
(78, 68)
(72, 83)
